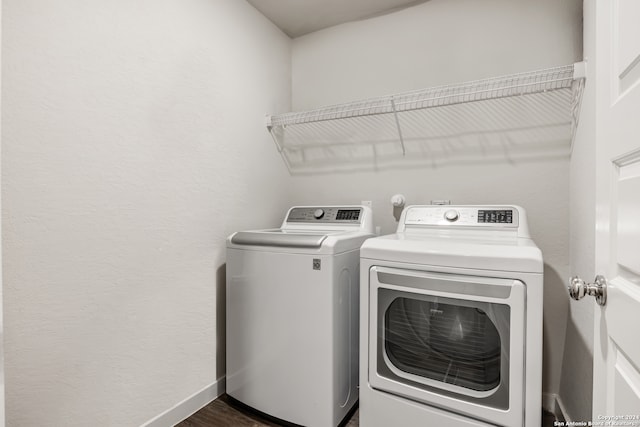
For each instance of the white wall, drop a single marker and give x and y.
(133, 144)
(441, 42)
(435, 43)
(577, 368)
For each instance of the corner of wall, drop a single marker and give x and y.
(576, 382)
(189, 406)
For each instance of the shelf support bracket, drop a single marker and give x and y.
(395, 114)
(269, 125)
(579, 77)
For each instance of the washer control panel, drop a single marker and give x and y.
(336, 215)
(463, 216)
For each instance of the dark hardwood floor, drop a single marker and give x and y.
(223, 413)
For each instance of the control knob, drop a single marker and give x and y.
(318, 213)
(451, 215)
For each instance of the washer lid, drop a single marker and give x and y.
(281, 238)
(499, 254)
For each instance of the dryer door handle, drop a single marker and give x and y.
(452, 284)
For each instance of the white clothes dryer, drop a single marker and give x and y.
(451, 320)
(292, 315)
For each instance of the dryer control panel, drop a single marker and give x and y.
(462, 216)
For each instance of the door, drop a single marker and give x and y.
(616, 388)
(449, 340)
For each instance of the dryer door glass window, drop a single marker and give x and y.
(445, 342)
(456, 347)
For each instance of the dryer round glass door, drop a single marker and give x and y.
(442, 338)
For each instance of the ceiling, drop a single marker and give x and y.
(300, 17)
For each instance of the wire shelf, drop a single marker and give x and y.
(520, 114)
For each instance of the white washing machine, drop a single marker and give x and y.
(292, 314)
(451, 320)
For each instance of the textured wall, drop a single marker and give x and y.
(133, 144)
(441, 42)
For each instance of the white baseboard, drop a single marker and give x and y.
(551, 403)
(188, 406)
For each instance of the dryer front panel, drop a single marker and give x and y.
(449, 340)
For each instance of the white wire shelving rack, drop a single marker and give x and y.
(519, 115)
